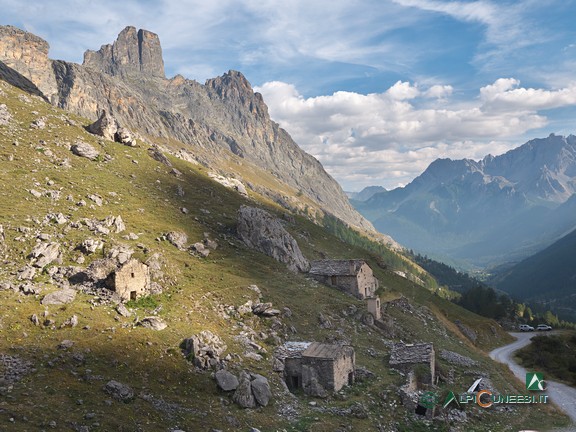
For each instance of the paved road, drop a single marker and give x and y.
(562, 395)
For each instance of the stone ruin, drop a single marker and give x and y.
(406, 357)
(130, 281)
(316, 368)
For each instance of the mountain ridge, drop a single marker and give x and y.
(223, 115)
(469, 210)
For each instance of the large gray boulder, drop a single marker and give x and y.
(106, 126)
(59, 297)
(227, 381)
(261, 390)
(243, 395)
(259, 230)
(83, 149)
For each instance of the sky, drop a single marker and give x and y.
(375, 89)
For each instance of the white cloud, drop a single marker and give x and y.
(391, 137)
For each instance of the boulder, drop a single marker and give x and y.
(120, 392)
(85, 150)
(44, 254)
(259, 230)
(243, 395)
(153, 323)
(59, 297)
(178, 239)
(124, 136)
(157, 155)
(89, 245)
(106, 126)
(123, 310)
(226, 380)
(204, 349)
(261, 390)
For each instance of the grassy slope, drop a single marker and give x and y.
(64, 388)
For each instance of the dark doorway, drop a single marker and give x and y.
(420, 410)
(351, 378)
(132, 295)
(333, 280)
(294, 382)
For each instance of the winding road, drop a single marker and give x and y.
(562, 395)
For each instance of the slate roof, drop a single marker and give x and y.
(325, 351)
(336, 267)
(411, 353)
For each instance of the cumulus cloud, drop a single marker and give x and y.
(391, 137)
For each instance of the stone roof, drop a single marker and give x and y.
(325, 351)
(411, 353)
(336, 267)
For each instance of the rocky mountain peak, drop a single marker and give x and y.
(134, 51)
(234, 87)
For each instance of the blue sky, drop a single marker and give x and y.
(376, 89)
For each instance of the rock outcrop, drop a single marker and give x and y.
(204, 349)
(134, 52)
(259, 230)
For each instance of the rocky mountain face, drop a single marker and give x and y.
(221, 121)
(133, 52)
(499, 209)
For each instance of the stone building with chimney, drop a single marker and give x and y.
(130, 281)
(318, 369)
(352, 276)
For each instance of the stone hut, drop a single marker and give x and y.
(319, 368)
(352, 276)
(406, 357)
(374, 307)
(130, 281)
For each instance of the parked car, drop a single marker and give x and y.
(526, 327)
(543, 327)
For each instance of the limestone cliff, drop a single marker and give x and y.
(224, 115)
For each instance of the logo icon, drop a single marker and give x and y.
(428, 400)
(535, 381)
(450, 397)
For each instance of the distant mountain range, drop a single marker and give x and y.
(483, 213)
(366, 193)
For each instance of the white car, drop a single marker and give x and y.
(526, 327)
(543, 327)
